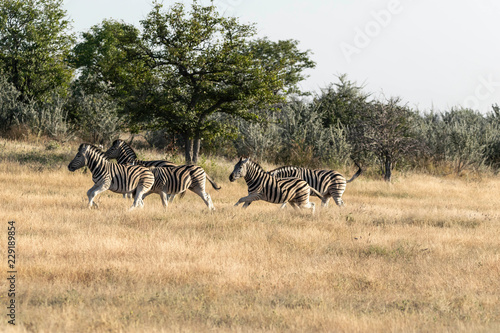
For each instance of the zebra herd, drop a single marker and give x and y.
(292, 185)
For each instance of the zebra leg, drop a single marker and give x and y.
(211, 204)
(248, 199)
(293, 204)
(339, 201)
(205, 196)
(93, 192)
(305, 204)
(336, 194)
(325, 200)
(308, 205)
(172, 196)
(140, 193)
(246, 204)
(145, 195)
(164, 198)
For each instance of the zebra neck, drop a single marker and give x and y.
(126, 158)
(253, 175)
(96, 163)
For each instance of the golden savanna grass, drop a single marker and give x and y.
(419, 255)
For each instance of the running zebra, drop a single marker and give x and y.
(263, 186)
(329, 183)
(111, 176)
(124, 154)
(178, 179)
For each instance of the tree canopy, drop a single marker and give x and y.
(34, 44)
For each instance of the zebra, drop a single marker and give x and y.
(263, 186)
(124, 154)
(178, 179)
(111, 176)
(329, 183)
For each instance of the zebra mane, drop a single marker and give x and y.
(125, 145)
(96, 150)
(284, 168)
(255, 164)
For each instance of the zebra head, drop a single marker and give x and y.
(240, 169)
(115, 150)
(80, 159)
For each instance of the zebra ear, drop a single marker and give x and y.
(83, 148)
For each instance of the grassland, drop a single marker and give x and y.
(419, 255)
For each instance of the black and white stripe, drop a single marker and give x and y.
(124, 154)
(178, 179)
(111, 176)
(331, 184)
(263, 186)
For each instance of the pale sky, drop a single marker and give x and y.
(434, 54)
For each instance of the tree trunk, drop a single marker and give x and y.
(196, 149)
(188, 149)
(388, 169)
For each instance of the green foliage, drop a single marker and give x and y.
(109, 60)
(100, 122)
(492, 150)
(304, 139)
(295, 136)
(42, 118)
(463, 138)
(260, 141)
(387, 131)
(10, 108)
(341, 102)
(49, 118)
(34, 44)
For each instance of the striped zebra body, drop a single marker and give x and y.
(329, 183)
(178, 179)
(111, 176)
(124, 154)
(263, 186)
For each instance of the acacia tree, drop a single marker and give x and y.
(384, 129)
(204, 63)
(34, 44)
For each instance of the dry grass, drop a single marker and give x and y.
(419, 255)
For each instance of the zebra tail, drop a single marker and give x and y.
(214, 184)
(357, 174)
(313, 190)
